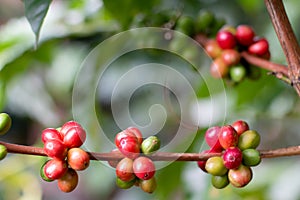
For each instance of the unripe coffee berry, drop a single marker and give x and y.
(185, 24)
(55, 149)
(228, 137)
(218, 68)
(231, 57)
(212, 138)
(237, 73)
(78, 159)
(150, 145)
(125, 184)
(232, 157)
(249, 140)
(69, 181)
(55, 169)
(226, 39)
(124, 170)
(143, 168)
(51, 134)
(204, 20)
(240, 126)
(3, 151)
(220, 182)
(148, 185)
(215, 166)
(251, 157)
(240, 177)
(5, 123)
(244, 35)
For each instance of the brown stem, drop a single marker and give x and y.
(159, 156)
(287, 40)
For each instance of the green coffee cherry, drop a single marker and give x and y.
(148, 185)
(237, 73)
(125, 184)
(249, 140)
(251, 157)
(42, 173)
(185, 24)
(150, 145)
(3, 152)
(5, 123)
(220, 182)
(204, 20)
(215, 166)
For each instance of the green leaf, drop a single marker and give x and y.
(35, 12)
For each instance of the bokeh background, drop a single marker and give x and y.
(36, 87)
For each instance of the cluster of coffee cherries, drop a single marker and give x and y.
(238, 146)
(5, 124)
(62, 146)
(136, 168)
(225, 49)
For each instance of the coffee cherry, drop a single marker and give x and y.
(251, 157)
(231, 57)
(249, 140)
(237, 73)
(55, 168)
(42, 173)
(5, 123)
(129, 147)
(204, 20)
(143, 168)
(148, 185)
(150, 145)
(137, 133)
(215, 166)
(240, 177)
(74, 136)
(228, 28)
(125, 184)
(50, 134)
(232, 157)
(244, 35)
(201, 163)
(68, 125)
(55, 149)
(226, 39)
(3, 151)
(220, 182)
(240, 126)
(78, 159)
(259, 47)
(124, 134)
(218, 68)
(69, 181)
(185, 24)
(114, 163)
(124, 170)
(212, 49)
(212, 138)
(228, 137)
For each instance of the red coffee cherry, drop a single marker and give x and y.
(240, 126)
(232, 157)
(231, 57)
(218, 68)
(55, 168)
(74, 137)
(137, 133)
(69, 181)
(55, 149)
(259, 47)
(124, 134)
(50, 134)
(240, 177)
(228, 137)
(226, 39)
(213, 49)
(70, 124)
(127, 142)
(143, 168)
(42, 173)
(244, 35)
(78, 159)
(124, 170)
(212, 138)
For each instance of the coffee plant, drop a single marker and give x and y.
(219, 80)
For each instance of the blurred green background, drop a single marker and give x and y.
(36, 90)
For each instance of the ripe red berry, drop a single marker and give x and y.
(78, 159)
(70, 124)
(74, 136)
(240, 126)
(143, 168)
(213, 49)
(259, 47)
(231, 57)
(212, 138)
(137, 133)
(226, 39)
(232, 157)
(124, 134)
(55, 169)
(228, 137)
(55, 149)
(69, 181)
(244, 35)
(124, 170)
(50, 134)
(218, 68)
(127, 142)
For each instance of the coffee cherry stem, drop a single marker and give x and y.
(158, 156)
